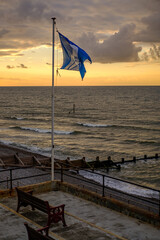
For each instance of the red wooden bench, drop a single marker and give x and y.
(40, 234)
(55, 214)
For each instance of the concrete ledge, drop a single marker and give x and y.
(38, 188)
(111, 203)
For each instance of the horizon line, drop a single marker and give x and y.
(87, 86)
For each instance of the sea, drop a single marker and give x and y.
(119, 121)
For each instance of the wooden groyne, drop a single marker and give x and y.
(145, 158)
(15, 157)
(15, 160)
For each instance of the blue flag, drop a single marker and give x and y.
(73, 56)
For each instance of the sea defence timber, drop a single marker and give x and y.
(15, 157)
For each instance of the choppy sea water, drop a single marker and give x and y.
(108, 121)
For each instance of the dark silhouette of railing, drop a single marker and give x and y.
(10, 180)
(71, 176)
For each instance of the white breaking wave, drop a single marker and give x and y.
(6, 142)
(17, 118)
(36, 130)
(94, 125)
(57, 132)
(63, 132)
(120, 185)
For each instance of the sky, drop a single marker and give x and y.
(122, 37)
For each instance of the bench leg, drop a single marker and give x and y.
(21, 203)
(63, 221)
(54, 219)
(18, 207)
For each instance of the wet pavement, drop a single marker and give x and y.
(85, 220)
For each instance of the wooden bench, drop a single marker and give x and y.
(55, 214)
(40, 234)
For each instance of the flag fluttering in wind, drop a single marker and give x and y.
(73, 56)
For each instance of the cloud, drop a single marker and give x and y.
(19, 66)
(22, 66)
(8, 52)
(2, 53)
(20, 54)
(10, 67)
(109, 28)
(119, 47)
(152, 55)
(3, 32)
(151, 33)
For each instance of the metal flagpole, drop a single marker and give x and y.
(52, 153)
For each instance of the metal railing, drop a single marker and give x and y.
(11, 180)
(149, 204)
(152, 204)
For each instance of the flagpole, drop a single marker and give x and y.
(52, 153)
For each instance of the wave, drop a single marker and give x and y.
(8, 143)
(125, 187)
(94, 125)
(43, 151)
(143, 142)
(32, 129)
(64, 132)
(16, 118)
(39, 130)
(27, 119)
(127, 127)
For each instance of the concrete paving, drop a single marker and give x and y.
(85, 220)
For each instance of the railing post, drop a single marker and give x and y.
(11, 179)
(7, 183)
(103, 186)
(61, 173)
(159, 203)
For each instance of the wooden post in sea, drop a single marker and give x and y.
(134, 159)
(74, 108)
(156, 156)
(122, 160)
(145, 157)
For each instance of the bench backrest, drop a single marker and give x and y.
(35, 235)
(33, 201)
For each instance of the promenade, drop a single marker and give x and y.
(85, 220)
